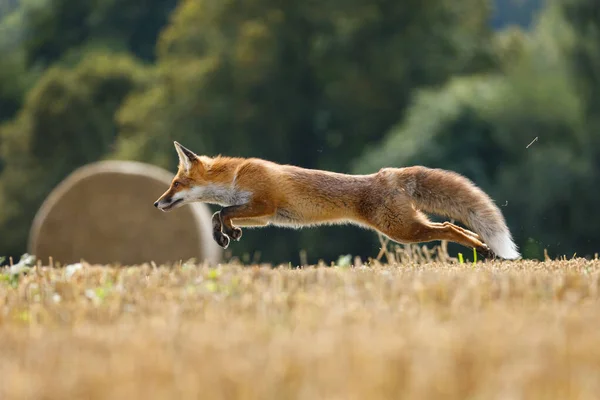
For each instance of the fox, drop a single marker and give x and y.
(253, 193)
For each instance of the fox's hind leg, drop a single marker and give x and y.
(423, 218)
(419, 229)
(485, 250)
(463, 230)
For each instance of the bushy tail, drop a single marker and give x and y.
(452, 195)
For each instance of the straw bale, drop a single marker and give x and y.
(103, 213)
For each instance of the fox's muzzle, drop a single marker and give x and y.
(167, 204)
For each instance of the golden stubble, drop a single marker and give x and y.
(496, 330)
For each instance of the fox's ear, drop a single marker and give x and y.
(187, 158)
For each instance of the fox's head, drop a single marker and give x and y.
(190, 182)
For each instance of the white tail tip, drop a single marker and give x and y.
(503, 246)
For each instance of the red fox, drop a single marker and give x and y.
(255, 192)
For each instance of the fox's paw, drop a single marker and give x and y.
(221, 239)
(486, 251)
(235, 234)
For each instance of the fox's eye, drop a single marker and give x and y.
(175, 184)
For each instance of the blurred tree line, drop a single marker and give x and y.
(349, 86)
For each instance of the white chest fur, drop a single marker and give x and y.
(220, 194)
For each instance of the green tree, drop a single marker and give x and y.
(582, 50)
(67, 121)
(57, 28)
(15, 80)
(13, 84)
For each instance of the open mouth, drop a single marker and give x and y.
(173, 204)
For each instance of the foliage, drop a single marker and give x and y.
(67, 121)
(59, 27)
(12, 88)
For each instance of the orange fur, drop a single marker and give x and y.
(256, 192)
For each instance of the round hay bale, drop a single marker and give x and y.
(103, 213)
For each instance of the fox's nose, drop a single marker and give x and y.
(156, 203)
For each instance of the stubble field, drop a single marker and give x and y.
(409, 330)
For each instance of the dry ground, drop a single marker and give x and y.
(497, 330)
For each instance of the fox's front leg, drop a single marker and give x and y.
(218, 235)
(222, 233)
(257, 211)
(221, 230)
